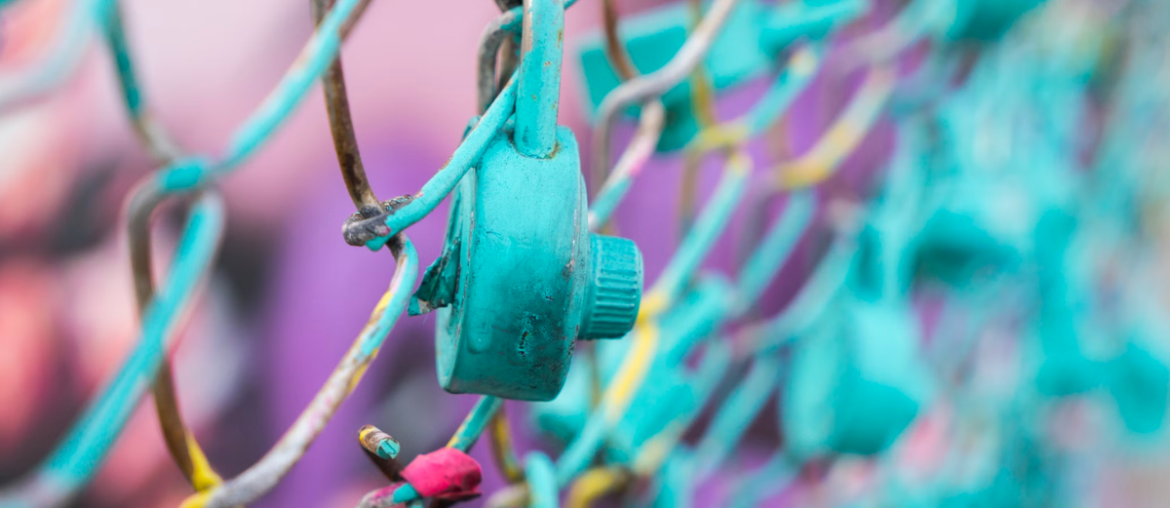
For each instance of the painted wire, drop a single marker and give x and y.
(262, 476)
(63, 58)
(646, 332)
(794, 79)
(841, 139)
(73, 463)
(179, 176)
(655, 84)
(919, 19)
(610, 187)
(178, 439)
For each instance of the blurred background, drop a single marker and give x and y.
(288, 295)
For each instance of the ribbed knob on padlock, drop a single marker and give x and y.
(615, 288)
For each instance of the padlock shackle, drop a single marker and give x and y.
(538, 96)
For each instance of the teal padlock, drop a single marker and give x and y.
(745, 48)
(521, 278)
(856, 381)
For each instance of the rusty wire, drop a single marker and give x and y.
(349, 158)
(608, 188)
(184, 450)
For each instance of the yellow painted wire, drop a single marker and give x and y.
(822, 161)
(595, 483)
(502, 450)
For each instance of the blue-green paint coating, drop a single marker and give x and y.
(669, 403)
(677, 483)
(183, 175)
(608, 199)
(737, 412)
(776, 247)
(784, 90)
(813, 299)
(531, 279)
(405, 494)
(373, 337)
(697, 315)
(743, 50)
(580, 452)
(389, 449)
(653, 38)
(539, 75)
(856, 382)
(466, 155)
(707, 229)
(76, 459)
(563, 417)
(477, 420)
(131, 92)
(542, 481)
(319, 52)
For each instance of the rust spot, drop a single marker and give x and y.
(522, 346)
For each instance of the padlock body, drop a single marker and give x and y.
(518, 225)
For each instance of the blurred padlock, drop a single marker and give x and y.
(856, 382)
(521, 278)
(745, 48)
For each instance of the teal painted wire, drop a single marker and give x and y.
(64, 56)
(314, 59)
(131, 91)
(465, 156)
(476, 421)
(787, 86)
(676, 486)
(709, 226)
(716, 359)
(765, 262)
(265, 474)
(542, 481)
(76, 459)
(737, 412)
(813, 298)
(609, 197)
